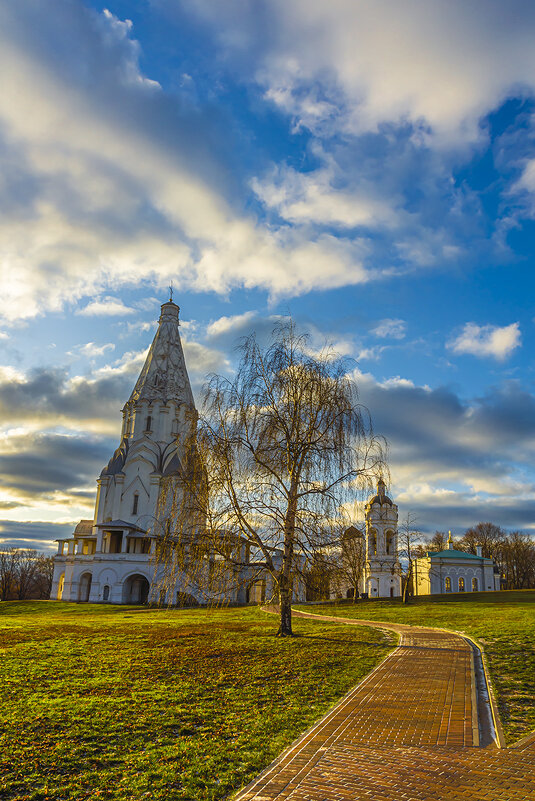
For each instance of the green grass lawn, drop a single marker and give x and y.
(502, 622)
(104, 702)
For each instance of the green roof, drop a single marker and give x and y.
(451, 553)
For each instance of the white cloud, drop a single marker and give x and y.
(225, 325)
(312, 197)
(527, 179)
(92, 351)
(123, 192)
(352, 65)
(390, 328)
(107, 307)
(370, 354)
(487, 340)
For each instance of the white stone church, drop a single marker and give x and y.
(111, 558)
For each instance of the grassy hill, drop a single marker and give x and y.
(104, 702)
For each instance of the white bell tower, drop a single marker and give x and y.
(382, 569)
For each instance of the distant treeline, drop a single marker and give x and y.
(25, 574)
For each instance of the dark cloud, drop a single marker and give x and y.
(458, 462)
(465, 512)
(46, 463)
(437, 426)
(39, 535)
(47, 393)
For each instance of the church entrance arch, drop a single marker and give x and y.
(135, 589)
(85, 587)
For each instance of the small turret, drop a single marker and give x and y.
(381, 497)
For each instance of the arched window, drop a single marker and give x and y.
(149, 423)
(106, 592)
(461, 584)
(474, 585)
(373, 541)
(447, 584)
(390, 542)
(135, 503)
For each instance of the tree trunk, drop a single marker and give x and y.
(285, 602)
(405, 597)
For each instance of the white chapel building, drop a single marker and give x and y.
(111, 558)
(454, 571)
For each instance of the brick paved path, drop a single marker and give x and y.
(408, 732)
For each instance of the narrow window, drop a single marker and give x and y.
(134, 505)
(149, 423)
(474, 585)
(461, 585)
(447, 584)
(106, 593)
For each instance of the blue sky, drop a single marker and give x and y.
(367, 167)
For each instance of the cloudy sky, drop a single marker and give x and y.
(368, 167)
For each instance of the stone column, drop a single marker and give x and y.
(99, 535)
(102, 486)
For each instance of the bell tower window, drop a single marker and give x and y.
(135, 503)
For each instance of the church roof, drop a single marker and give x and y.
(164, 376)
(84, 527)
(116, 463)
(120, 524)
(452, 553)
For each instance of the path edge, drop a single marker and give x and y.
(498, 728)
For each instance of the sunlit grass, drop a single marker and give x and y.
(502, 622)
(127, 703)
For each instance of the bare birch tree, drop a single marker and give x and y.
(280, 453)
(408, 538)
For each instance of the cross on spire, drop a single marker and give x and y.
(171, 292)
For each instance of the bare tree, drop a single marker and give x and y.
(280, 453)
(488, 535)
(25, 573)
(337, 569)
(517, 559)
(43, 576)
(351, 559)
(409, 550)
(438, 541)
(27, 568)
(8, 572)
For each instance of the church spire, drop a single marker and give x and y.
(164, 376)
